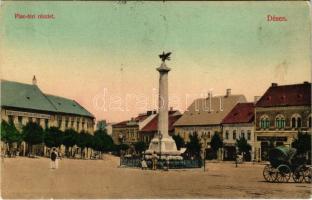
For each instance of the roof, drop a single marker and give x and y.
(241, 113)
(29, 96)
(69, 106)
(141, 117)
(286, 95)
(199, 112)
(21, 95)
(122, 124)
(152, 126)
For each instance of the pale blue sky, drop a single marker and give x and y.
(215, 45)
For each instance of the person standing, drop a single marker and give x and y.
(154, 160)
(53, 158)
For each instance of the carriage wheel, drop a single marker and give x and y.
(269, 173)
(283, 174)
(298, 174)
(307, 174)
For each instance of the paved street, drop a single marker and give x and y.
(32, 178)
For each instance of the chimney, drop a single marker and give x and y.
(209, 94)
(274, 85)
(34, 80)
(228, 92)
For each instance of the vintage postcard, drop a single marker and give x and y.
(155, 99)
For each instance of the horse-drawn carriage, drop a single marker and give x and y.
(284, 163)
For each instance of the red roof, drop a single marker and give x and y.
(141, 117)
(121, 124)
(241, 113)
(124, 124)
(286, 95)
(152, 125)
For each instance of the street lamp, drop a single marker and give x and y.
(205, 137)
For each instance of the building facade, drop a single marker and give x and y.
(127, 132)
(150, 129)
(22, 103)
(238, 123)
(204, 116)
(280, 113)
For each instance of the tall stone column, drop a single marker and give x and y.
(164, 145)
(163, 100)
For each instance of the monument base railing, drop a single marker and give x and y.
(173, 164)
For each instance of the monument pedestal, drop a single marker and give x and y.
(165, 146)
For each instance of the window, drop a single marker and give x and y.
(20, 120)
(243, 134)
(66, 124)
(264, 122)
(59, 123)
(280, 121)
(77, 125)
(38, 121)
(226, 134)
(10, 119)
(46, 123)
(283, 123)
(310, 122)
(267, 123)
(72, 123)
(209, 134)
(248, 135)
(293, 122)
(29, 119)
(83, 125)
(298, 122)
(234, 135)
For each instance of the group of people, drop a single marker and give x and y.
(54, 156)
(154, 162)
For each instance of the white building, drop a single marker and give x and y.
(238, 123)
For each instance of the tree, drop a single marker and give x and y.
(140, 147)
(179, 141)
(243, 146)
(81, 142)
(89, 141)
(53, 137)
(69, 140)
(101, 125)
(33, 134)
(9, 134)
(102, 142)
(216, 142)
(194, 146)
(302, 143)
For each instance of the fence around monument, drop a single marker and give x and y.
(173, 164)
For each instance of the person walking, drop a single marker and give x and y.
(53, 157)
